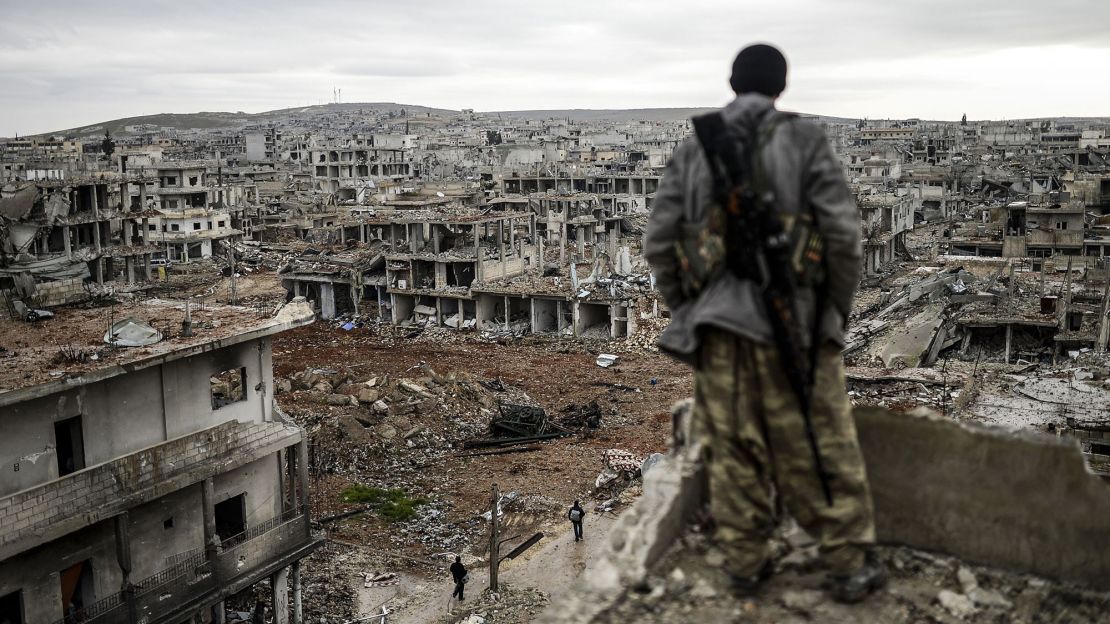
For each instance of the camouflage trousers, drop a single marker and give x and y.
(757, 448)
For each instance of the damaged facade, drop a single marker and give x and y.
(148, 483)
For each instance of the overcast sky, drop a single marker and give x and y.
(68, 63)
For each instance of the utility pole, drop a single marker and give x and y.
(493, 554)
(232, 287)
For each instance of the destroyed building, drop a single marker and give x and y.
(150, 475)
(58, 234)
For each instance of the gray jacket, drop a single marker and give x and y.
(803, 172)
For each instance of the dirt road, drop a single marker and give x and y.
(553, 568)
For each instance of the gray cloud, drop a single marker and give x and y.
(65, 63)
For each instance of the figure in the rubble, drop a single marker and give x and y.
(576, 514)
(458, 573)
(755, 243)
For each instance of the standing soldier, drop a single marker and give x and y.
(754, 240)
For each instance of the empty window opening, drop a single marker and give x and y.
(167, 523)
(196, 226)
(192, 180)
(231, 517)
(175, 227)
(11, 608)
(1075, 321)
(460, 274)
(69, 445)
(228, 387)
(77, 588)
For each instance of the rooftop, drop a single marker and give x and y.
(68, 350)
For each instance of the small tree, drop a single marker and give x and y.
(108, 146)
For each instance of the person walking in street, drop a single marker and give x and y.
(576, 514)
(458, 573)
(755, 243)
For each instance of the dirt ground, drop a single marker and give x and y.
(634, 398)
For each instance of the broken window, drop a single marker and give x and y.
(11, 608)
(171, 180)
(192, 180)
(196, 226)
(69, 445)
(167, 524)
(228, 387)
(220, 223)
(231, 517)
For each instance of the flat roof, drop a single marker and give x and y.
(33, 360)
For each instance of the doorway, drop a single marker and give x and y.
(231, 517)
(11, 608)
(77, 587)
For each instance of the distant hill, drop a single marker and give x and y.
(624, 115)
(211, 120)
(217, 120)
(605, 114)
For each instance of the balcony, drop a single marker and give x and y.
(41, 514)
(196, 579)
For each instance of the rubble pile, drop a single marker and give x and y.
(363, 416)
(508, 605)
(922, 588)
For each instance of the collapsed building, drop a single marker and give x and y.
(58, 234)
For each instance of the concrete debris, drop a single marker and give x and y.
(606, 360)
(959, 605)
(509, 604)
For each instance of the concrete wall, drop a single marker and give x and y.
(260, 481)
(1015, 500)
(152, 542)
(36, 572)
(126, 413)
(60, 292)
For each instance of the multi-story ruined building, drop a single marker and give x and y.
(58, 234)
(148, 474)
(193, 214)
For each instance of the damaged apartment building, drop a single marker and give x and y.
(149, 474)
(439, 263)
(193, 212)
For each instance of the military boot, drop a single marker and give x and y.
(858, 585)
